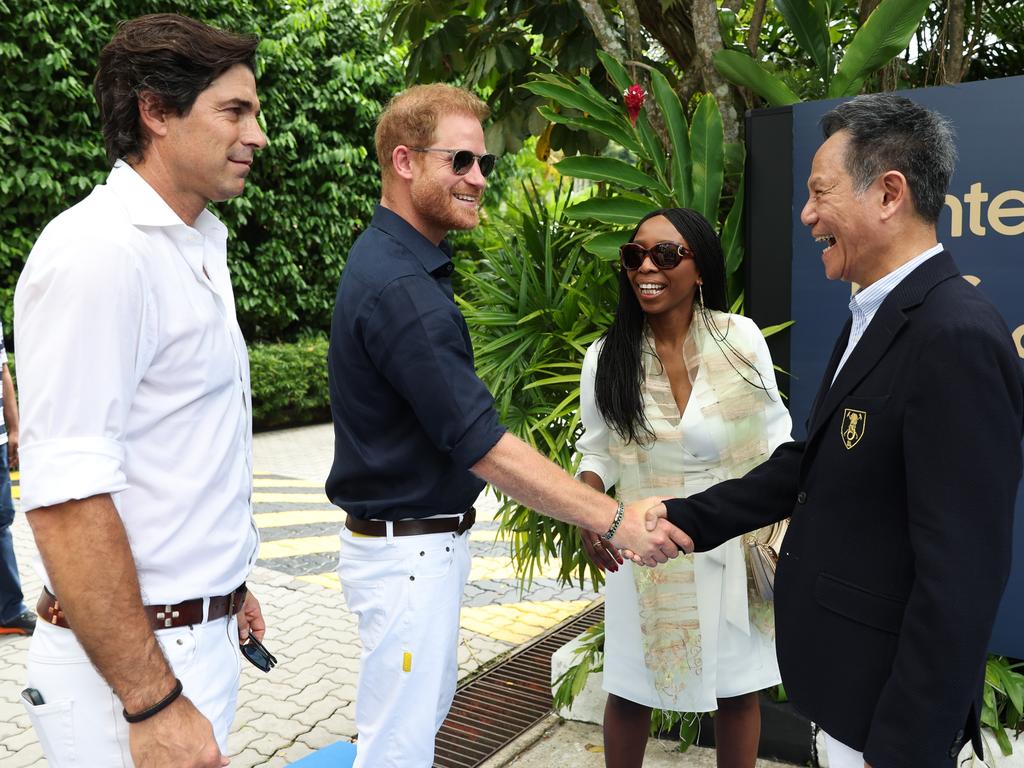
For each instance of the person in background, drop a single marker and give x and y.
(676, 396)
(15, 618)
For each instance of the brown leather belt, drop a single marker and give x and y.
(412, 527)
(160, 616)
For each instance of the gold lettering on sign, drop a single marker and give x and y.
(1005, 214)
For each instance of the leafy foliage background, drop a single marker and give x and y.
(323, 75)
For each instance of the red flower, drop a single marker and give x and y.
(634, 97)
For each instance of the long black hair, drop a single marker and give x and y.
(620, 373)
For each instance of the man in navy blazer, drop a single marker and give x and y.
(901, 497)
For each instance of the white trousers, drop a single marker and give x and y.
(406, 592)
(80, 722)
(842, 756)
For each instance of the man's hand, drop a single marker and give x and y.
(250, 619)
(178, 737)
(650, 544)
(658, 511)
(600, 552)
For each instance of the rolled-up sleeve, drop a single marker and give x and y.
(81, 326)
(592, 445)
(421, 345)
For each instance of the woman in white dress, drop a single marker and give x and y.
(676, 396)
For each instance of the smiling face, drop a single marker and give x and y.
(663, 290)
(207, 154)
(442, 200)
(844, 222)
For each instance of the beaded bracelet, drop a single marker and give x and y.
(161, 705)
(620, 512)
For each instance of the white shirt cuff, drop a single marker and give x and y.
(55, 471)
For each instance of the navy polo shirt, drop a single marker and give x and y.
(410, 414)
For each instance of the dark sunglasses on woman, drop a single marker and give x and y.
(663, 255)
(462, 159)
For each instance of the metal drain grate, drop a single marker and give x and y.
(496, 706)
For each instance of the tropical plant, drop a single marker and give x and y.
(883, 36)
(535, 300)
(1003, 699)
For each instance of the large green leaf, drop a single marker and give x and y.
(742, 70)
(615, 71)
(606, 245)
(809, 24)
(732, 235)
(885, 34)
(615, 131)
(564, 94)
(678, 134)
(611, 210)
(707, 143)
(611, 170)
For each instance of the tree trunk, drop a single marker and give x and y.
(708, 41)
(866, 7)
(605, 33)
(953, 63)
(754, 33)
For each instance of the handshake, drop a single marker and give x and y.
(644, 536)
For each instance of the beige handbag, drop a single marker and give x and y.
(763, 547)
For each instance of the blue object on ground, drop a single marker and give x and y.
(339, 755)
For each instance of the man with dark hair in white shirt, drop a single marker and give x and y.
(136, 419)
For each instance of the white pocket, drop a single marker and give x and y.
(54, 727)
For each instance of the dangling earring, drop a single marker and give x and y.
(700, 294)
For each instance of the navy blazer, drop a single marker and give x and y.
(902, 503)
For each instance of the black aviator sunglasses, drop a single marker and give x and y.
(664, 255)
(462, 159)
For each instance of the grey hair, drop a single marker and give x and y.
(892, 133)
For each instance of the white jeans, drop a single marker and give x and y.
(842, 756)
(80, 724)
(406, 592)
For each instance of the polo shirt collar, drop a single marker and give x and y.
(145, 207)
(435, 259)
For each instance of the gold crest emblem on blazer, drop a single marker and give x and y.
(854, 423)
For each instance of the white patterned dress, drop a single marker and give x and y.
(690, 631)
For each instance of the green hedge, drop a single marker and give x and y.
(323, 75)
(289, 384)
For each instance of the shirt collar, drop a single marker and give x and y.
(435, 259)
(867, 301)
(146, 208)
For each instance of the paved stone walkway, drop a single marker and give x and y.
(307, 702)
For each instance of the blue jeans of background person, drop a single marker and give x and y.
(11, 598)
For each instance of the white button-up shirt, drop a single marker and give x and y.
(134, 382)
(865, 303)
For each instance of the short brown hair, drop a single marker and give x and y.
(170, 56)
(411, 118)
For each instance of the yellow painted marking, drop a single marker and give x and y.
(485, 535)
(500, 568)
(298, 517)
(518, 622)
(407, 662)
(294, 498)
(326, 580)
(284, 482)
(309, 545)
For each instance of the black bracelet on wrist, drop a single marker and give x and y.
(620, 512)
(161, 705)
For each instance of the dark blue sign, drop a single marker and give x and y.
(982, 225)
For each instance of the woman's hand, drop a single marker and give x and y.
(600, 552)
